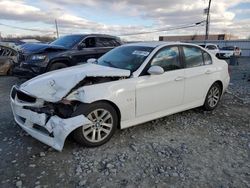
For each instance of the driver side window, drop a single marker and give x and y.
(90, 42)
(168, 58)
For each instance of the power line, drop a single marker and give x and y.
(26, 29)
(125, 34)
(165, 29)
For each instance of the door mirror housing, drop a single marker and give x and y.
(155, 70)
(91, 60)
(81, 46)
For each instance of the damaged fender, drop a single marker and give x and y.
(57, 128)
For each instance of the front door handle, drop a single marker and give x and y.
(179, 78)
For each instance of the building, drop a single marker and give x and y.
(198, 37)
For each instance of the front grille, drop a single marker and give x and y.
(22, 56)
(24, 97)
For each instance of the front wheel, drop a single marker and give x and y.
(104, 122)
(213, 97)
(56, 66)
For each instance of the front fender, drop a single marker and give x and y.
(120, 92)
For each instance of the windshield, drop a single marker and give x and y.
(68, 41)
(125, 57)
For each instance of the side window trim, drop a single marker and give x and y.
(202, 51)
(143, 72)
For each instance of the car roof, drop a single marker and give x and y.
(154, 44)
(93, 35)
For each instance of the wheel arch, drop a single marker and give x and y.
(217, 81)
(220, 83)
(116, 109)
(58, 60)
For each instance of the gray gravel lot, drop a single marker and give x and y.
(190, 149)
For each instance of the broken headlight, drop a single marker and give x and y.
(37, 57)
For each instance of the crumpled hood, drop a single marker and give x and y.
(39, 48)
(55, 85)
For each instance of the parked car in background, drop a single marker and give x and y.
(213, 48)
(66, 51)
(224, 52)
(8, 56)
(228, 51)
(129, 85)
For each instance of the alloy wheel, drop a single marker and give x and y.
(100, 127)
(213, 96)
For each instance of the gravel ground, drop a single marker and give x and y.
(189, 149)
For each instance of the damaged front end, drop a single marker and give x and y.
(43, 106)
(50, 124)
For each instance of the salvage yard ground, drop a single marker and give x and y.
(190, 149)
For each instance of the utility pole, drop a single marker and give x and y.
(208, 20)
(57, 33)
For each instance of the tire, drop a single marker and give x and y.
(103, 128)
(56, 66)
(213, 97)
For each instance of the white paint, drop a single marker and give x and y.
(53, 86)
(138, 98)
(60, 128)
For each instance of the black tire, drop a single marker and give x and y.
(87, 109)
(56, 66)
(210, 103)
(10, 72)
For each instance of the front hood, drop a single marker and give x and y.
(39, 48)
(55, 85)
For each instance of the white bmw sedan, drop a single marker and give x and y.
(129, 85)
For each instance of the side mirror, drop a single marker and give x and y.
(155, 70)
(91, 60)
(81, 46)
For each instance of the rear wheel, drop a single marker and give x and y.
(56, 66)
(104, 121)
(213, 97)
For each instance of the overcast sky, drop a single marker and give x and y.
(123, 16)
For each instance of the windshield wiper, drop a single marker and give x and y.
(109, 63)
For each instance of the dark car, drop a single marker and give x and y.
(70, 50)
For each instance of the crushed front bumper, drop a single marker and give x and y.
(51, 130)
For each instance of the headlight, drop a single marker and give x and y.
(38, 57)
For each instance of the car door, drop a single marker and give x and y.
(87, 49)
(103, 45)
(156, 93)
(198, 70)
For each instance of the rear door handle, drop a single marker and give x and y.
(209, 72)
(179, 78)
